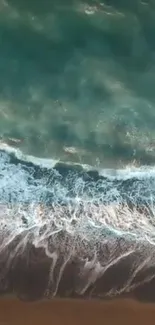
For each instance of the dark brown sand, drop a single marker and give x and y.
(72, 312)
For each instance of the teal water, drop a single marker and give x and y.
(77, 88)
(77, 80)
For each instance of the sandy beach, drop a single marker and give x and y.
(74, 312)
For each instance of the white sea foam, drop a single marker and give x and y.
(125, 173)
(77, 214)
(103, 201)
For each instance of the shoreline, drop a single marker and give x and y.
(55, 245)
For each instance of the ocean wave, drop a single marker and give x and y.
(122, 200)
(76, 213)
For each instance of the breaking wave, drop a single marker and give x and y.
(84, 220)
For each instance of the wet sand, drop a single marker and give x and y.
(74, 312)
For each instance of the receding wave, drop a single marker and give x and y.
(79, 219)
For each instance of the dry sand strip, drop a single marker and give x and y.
(75, 312)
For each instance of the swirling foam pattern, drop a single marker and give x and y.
(65, 228)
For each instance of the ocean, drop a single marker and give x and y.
(77, 140)
(77, 80)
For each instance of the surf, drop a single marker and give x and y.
(76, 218)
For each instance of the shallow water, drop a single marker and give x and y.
(77, 80)
(67, 221)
